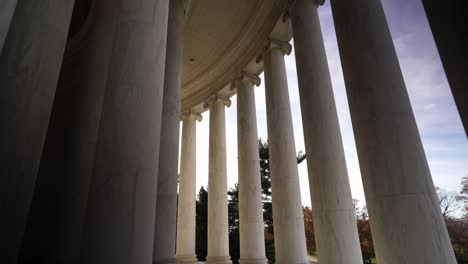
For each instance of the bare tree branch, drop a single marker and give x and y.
(449, 201)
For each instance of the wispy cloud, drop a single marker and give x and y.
(442, 135)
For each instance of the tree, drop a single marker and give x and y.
(464, 194)
(233, 220)
(309, 230)
(449, 202)
(364, 231)
(201, 235)
(458, 231)
(233, 212)
(266, 196)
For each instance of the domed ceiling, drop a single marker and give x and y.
(221, 38)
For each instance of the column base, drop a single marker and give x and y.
(218, 260)
(253, 261)
(186, 259)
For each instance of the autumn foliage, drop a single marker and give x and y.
(309, 230)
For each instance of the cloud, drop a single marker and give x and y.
(436, 115)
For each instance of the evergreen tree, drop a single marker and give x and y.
(233, 217)
(201, 230)
(233, 212)
(266, 196)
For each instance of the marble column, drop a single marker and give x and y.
(166, 203)
(334, 216)
(288, 219)
(252, 238)
(122, 198)
(448, 21)
(7, 8)
(185, 250)
(58, 208)
(218, 236)
(29, 69)
(405, 217)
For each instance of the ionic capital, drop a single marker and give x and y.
(217, 99)
(191, 114)
(283, 46)
(252, 78)
(246, 77)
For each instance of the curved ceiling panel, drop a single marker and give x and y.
(221, 38)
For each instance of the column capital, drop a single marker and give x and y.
(252, 78)
(283, 46)
(247, 77)
(191, 114)
(272, 44)
(215, 99)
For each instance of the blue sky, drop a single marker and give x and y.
(444, 140)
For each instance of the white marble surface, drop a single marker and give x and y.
(218, 238)
(185, 249)
(29, 69)
(166, 202)
(406, 221)
(68, 155)
(288, 220)
(333, 211)
(251, 225)
(122, 200)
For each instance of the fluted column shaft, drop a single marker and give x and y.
(334, 216)
(185, 251)
(29, 69)
(406, 221)
(252, 239)
(218, 236)
(122, 198)
(288, 219)
(166, 202)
